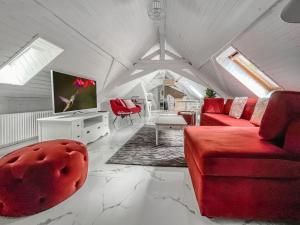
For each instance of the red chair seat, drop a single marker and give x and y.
(136, 109)
(40, 176)
(238, 151)
(223, 120)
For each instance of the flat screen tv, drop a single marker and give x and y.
(73, 93)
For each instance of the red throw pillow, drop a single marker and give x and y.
(292, 137)
(227, 106)
(213, 105)
(249, 108)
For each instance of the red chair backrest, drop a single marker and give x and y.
(117, 107)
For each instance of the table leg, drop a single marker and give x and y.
(156, 135)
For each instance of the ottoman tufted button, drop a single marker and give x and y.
(19, 180)
(41, 157)
(77, 184)
(68, 149)
(13, 160)
(36, 181)
(64, 170)
(42, 200)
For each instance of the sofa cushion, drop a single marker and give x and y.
(292, 137)
(228, 105)
(209, 119)
(135, 109)
(238, 151)
(249, 108)
(283, 107)
(259, 111)
(213, 105)
(237, 107)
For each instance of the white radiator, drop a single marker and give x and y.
(17, 127)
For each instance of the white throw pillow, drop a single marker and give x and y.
(237, 107)
(129, 104)
(259, 111)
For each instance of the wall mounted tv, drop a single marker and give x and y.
(73, 93)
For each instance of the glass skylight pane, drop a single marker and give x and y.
(254, 72)
(246, 72)
(29, 62)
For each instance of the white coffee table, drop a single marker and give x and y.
(169, 122)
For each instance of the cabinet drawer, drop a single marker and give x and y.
(172, 127)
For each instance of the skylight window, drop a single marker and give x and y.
(246, 72)
(29, 62)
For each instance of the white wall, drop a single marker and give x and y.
(19, 104)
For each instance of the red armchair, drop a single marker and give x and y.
(120, 109)
(249, 172)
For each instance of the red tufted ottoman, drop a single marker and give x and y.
(40, 176)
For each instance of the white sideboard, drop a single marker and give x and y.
(85, 128)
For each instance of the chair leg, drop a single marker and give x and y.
(115, 120)
(139, 115)
(130, 119)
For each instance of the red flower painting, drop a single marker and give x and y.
(78, 83)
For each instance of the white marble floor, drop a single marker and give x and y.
(126, 195)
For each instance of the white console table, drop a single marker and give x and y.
(85, 128)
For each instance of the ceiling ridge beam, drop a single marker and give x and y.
(162, 36)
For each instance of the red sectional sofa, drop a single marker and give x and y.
(249, 172)
(216, 113)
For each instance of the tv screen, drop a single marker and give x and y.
(73, 93)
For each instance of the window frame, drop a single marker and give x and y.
(255, 73)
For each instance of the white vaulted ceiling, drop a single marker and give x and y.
(92, 33)
(103, 39)
(199, 28)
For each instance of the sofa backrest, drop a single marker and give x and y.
(249, 108)
(213, 105)
(292, 139)
(283, 107)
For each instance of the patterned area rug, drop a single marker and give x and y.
(141, 149)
